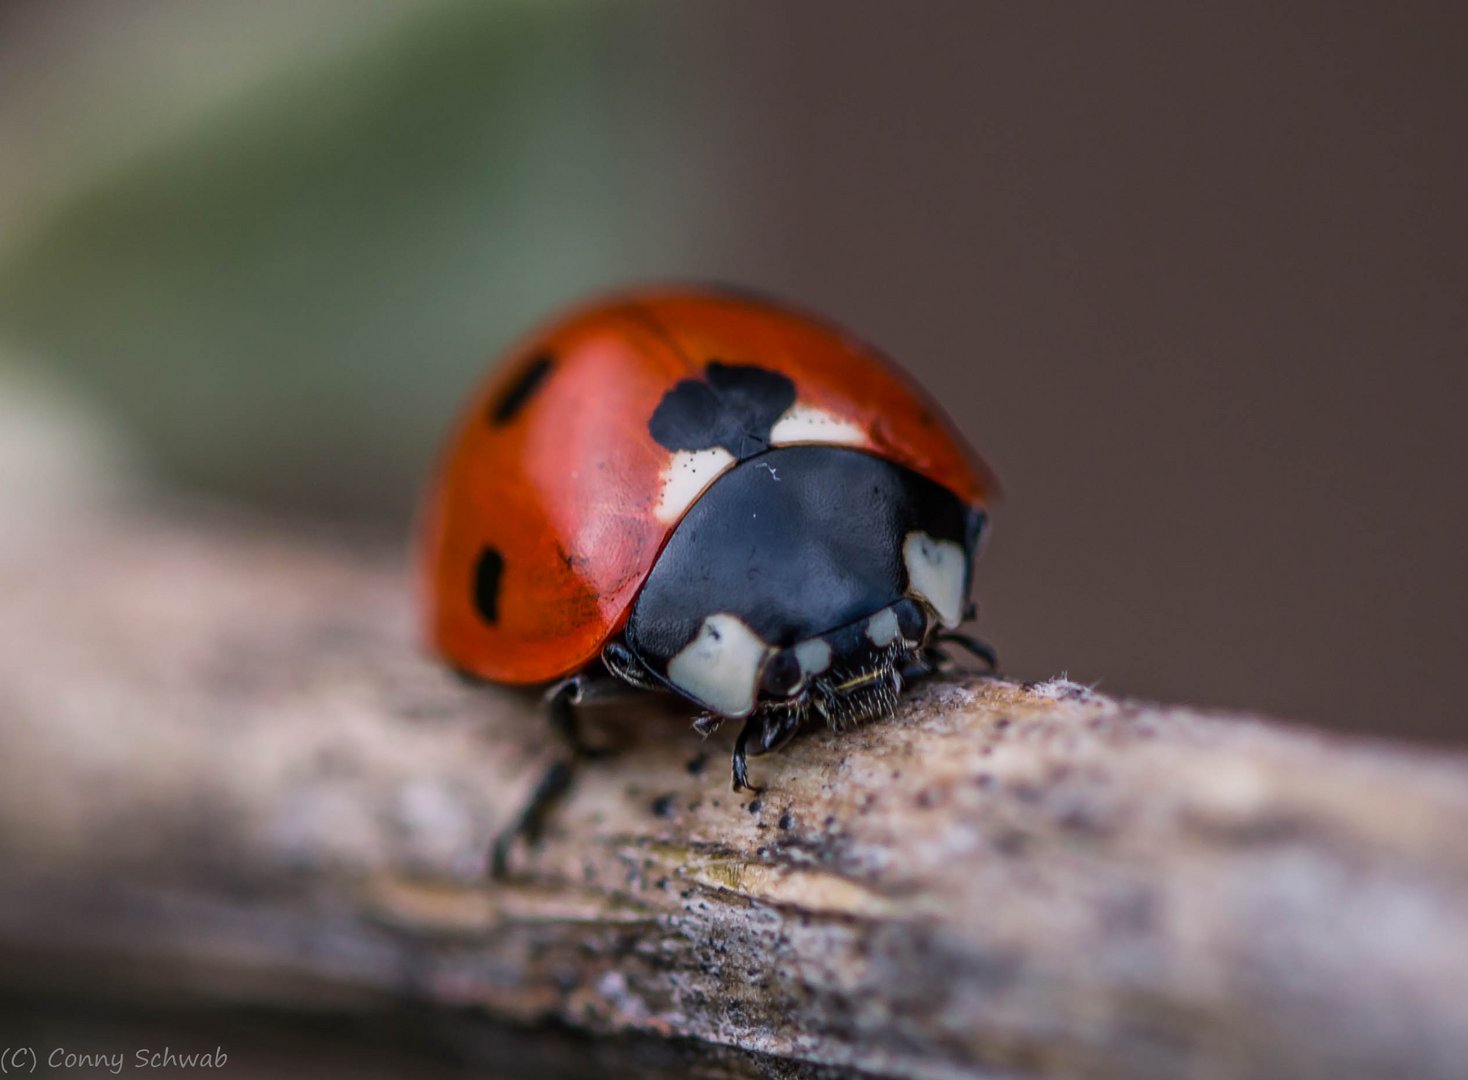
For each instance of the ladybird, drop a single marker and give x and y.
(707, 494)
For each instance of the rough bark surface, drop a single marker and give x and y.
(227, 772)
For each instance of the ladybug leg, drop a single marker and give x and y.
(624, 664)
(560, 709)
(560, 703)
(982, 650)
(740, 765)
(554, 783)
(930, 662)
(780, 728)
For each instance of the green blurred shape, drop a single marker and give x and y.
(289, 302)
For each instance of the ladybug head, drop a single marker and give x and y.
(806, 581)
(847, 675)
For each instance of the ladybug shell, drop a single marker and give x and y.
(581, 453)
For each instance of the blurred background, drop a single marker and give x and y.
(1191, 277)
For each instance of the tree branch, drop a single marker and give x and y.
(223, 755)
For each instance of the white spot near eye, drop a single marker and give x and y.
(720, 667)
(813, 656)
(935, 571)
(686, 476)
(807, 424)
(882, 627)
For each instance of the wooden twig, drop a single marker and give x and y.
(224, 755)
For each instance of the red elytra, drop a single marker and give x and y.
(551, 504)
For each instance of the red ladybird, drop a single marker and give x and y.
(708, 494)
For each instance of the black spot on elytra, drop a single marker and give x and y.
(487, 571)
(521, 391)
(733, 406)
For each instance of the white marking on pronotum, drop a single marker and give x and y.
(807, 424)
(686, 476)
(882, 627)
(935, 571)
(720, 667)
(814, 656)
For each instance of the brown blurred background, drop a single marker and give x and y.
(1192, 277)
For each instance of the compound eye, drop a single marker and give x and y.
(782, 674)
(912, 620)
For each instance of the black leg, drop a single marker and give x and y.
(740, 765)
(779, 729)
(624, 664)
(560, 710)
(554, 783)
(918, 667)
(973, 645)
(560, 702)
